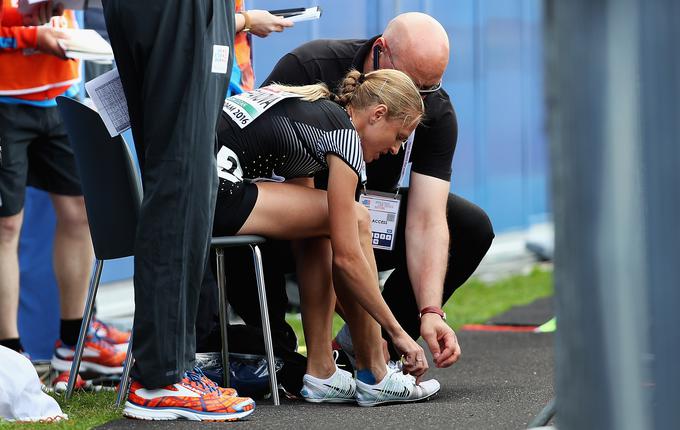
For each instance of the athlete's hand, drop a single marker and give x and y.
(262, 23)
(413, 361)
(48, 41)
(441, 339)
(40, 13)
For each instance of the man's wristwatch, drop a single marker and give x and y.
(246, 21)
(432, 310)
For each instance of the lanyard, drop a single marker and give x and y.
(407, 157)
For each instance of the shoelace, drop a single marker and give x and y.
(399, 366)
(198, 378)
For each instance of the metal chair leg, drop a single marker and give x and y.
(266, 329)
(224, 320)
(87, 318)
(125, 377)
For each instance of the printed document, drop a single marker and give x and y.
(106, 92)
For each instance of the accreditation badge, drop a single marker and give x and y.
(384, 209)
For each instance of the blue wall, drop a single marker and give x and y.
(495, 80)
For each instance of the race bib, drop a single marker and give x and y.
(245, 107)
(384, 209)
(228, 166)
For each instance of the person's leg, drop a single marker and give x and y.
(471, 235)
(303, 212)
(73, 254)
(10, 228)
(242, 292)
(164, 55)
(16, 134)
(364, 329)
(317, 302)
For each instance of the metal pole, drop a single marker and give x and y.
(224, 319)
(614, 109)
(125, 377)
(87, 318)
(266, 329)
(544, 417)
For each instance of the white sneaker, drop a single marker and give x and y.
(395, 388)
(339, 388)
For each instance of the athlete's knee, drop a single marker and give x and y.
(466, 219)
(10, 228)
(363, 219)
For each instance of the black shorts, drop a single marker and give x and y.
(35, 151)
(235, 202)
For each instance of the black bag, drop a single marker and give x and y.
(246, 354)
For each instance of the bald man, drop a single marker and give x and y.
(440, 237)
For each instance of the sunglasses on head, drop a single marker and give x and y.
(377, 50)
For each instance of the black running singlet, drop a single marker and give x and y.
(290, 140)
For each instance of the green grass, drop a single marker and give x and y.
(85, 411)
(475, 302)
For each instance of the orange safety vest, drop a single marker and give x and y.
(243, 54)
(30, 75)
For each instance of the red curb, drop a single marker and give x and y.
(508, 328)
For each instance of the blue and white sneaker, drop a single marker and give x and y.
(339, 388)
(395, 388)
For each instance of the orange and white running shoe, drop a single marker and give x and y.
(60, 383)
(109, 333)
(194, 398)
(99, 356)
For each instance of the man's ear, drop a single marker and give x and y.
(377, 113)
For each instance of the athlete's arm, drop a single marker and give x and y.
(427, 248)
(354, 268)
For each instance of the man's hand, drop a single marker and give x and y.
(48, 41)
(414, 361)
(441, 340)
(40, 13)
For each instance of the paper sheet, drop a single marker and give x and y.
(106, 92)
(86, 45)
(309, 14)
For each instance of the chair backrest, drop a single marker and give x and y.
(110, 182)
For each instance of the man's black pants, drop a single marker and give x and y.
(164, 54)
(471, 234)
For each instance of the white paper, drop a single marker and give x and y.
(86, 45)
(220, 59)
(309, 14)
(106, 92)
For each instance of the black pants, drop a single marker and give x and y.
(471, 235)
(164, 52)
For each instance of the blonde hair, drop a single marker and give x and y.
(390, 87)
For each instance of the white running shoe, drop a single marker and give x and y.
(339, 388)
(395, 388)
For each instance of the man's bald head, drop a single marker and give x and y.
(419, 45)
